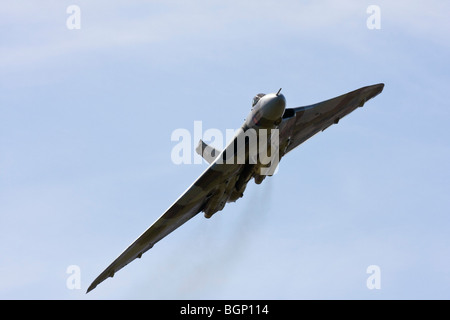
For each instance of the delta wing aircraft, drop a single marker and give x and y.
(276, 129)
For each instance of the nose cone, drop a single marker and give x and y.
(274, 107)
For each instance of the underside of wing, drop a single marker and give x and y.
(187, 206)
(300, 124)
(174, 217)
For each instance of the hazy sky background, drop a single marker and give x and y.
(85, 167)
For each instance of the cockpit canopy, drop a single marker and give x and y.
(257, 98)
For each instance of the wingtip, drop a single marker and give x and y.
(91, 287)
(378, 86)
(375, 90)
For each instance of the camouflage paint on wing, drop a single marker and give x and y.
(300, 124)
(195, 199)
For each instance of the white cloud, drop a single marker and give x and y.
(38, 31)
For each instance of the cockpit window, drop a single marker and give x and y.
(256, 98)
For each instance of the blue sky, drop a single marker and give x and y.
(85, 147)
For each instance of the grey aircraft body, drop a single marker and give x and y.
(231, 169)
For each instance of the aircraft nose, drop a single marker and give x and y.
(274, 108)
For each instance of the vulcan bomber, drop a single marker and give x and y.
(269, 132)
